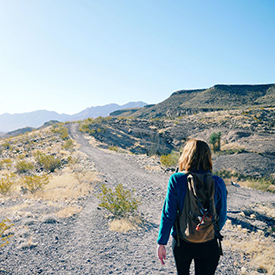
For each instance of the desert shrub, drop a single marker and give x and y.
(6, 183)
(48, 162)
(170, 159)
(35, 182)
(69, 144)
(4, 226)
(85, 125)
(6, 145)
(113, 148)
(226, 174)
(78, 168)
(215, 140)
(84, 128)
(23, 166)
(120, 202)
(5, 163)
(20, 157)
(61, 130)
(265, 183)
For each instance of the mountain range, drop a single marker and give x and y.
(11, 122)
(180, 103)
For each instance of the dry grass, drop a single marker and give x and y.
(121, 225)
(258, 185)
(231, 146)
(125, 225)
(66, 184)
(66, 187)
(68, 211)
(256, 250)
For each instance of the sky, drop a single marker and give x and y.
(67, 55)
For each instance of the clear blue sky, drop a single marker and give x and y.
(67, 55)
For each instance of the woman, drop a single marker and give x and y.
(196, 158)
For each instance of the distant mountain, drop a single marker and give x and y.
(219, 97)
(105, 110)
(35, 119)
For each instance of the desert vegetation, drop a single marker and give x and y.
(120, 201)
(42, 166)
(232, 134)
(5, 225)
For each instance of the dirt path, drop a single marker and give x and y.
(83, 244)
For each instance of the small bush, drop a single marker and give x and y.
(6, 184)
(215, 140)
(79, 170)
(6, 145)
(61, 130)
(119, 202)
(4, 226)
(24, 166)
(5, 163)
(69, 144)
(35, 182)
(264, 184)
(48, 162)
(170, 159)
(113, 148)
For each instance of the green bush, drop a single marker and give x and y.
(215, 140)
(170, 159)
(48, 162)
(4, 226)
(6, 184)
(24, 166)
(119, 202)
(35, 182)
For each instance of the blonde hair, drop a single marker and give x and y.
(196, 155)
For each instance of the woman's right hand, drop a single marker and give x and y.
(161, 253)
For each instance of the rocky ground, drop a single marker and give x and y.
(83, 243)
(247, 137)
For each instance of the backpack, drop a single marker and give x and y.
(198, 221)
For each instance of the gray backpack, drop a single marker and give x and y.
(198, 221)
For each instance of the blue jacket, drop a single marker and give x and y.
(175, 196)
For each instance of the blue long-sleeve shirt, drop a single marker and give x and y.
(175, 196)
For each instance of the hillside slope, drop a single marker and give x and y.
(219, 97)
(247, 137)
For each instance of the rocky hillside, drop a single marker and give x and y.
(219, 97)
(247, 142)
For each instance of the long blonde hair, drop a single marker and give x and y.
(196, 155)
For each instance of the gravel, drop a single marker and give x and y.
(83, 243)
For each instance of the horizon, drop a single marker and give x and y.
(67, 56)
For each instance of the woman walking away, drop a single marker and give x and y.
(195, 210)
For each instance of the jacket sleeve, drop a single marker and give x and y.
(221, 201)
(169, 212)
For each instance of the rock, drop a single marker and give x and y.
(49, 219)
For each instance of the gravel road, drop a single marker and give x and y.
(83, 244)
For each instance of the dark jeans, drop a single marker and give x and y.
(206, 257)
